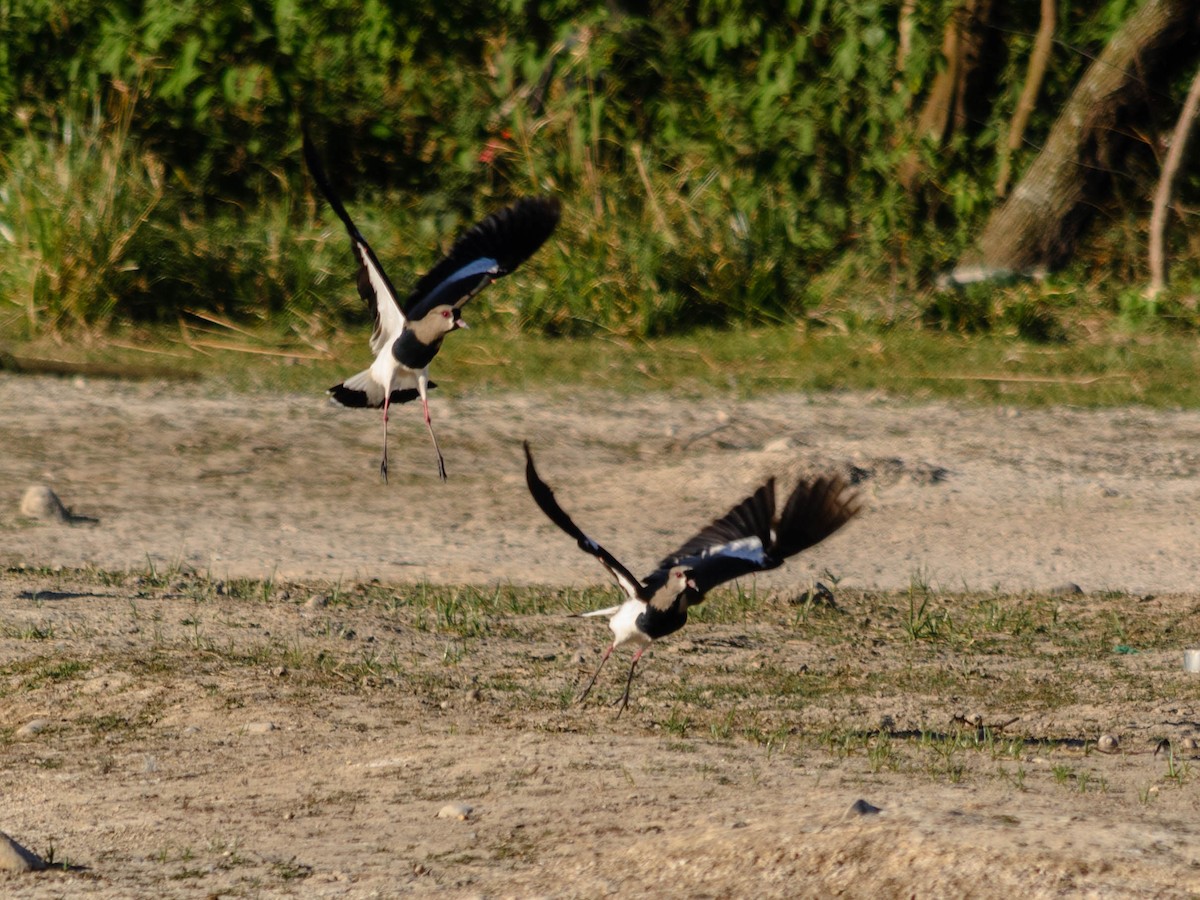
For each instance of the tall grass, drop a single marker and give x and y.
(75, 207)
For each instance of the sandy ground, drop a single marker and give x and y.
(184, 754)
(237, 486)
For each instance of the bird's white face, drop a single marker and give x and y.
(446, 319)
(680, 579)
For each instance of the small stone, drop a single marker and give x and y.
(317, 601)
(40, 502)
(460, 811)
(543, 655)
(779, 445)
(32, 727)
(260, 727)
(15, 858)
(279, 671)
(1188, 744)
(1069, 589)
(474, 695)
(861, 807)
(1108, 743)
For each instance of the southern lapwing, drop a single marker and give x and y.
(749, 538)
(409, 333)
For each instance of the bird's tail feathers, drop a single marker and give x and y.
(362, 390)
(815, 510)
(358, 391)
(607, 611)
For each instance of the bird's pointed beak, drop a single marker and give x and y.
(459, 323)
(691, 582)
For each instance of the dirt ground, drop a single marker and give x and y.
(227, 745)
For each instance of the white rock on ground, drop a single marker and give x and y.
(15, 858)
(39, 502)
(32, 727)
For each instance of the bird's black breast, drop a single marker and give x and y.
(659, 622)
(411, 353)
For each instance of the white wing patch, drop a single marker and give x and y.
(389, 319)
(748, 548)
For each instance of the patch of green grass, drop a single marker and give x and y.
(1151, 368)
(49, 671)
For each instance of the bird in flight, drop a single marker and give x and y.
(409, 332)
(749, 538)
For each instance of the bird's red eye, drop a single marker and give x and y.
(445, 313)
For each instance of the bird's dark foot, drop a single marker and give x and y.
(441, 468)
(621, 704)
(383, 470)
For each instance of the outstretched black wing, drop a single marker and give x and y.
(816, 509)
(748, 539)
(489, 250)
(544, 497)
(733, 545)
(373, 283)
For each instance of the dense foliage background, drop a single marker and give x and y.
(720, 161)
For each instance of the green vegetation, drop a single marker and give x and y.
(1139, 367)
(1007, 689)
(720, 164)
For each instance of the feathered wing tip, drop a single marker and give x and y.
(543, 496)
(815, 510)
(509, 237)
(317, 170)
(374, 286)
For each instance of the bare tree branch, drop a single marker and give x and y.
(1162, 195)
(1039, 57)
(1039, 223)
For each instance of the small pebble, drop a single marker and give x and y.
(473, 695)
(778, 445)
(1188, 744)
(32, 727)
(861, 807)
(317, 601)
(15, 858)
(39, 502)
(460, 811)
(279, 671)
(1108, 743)
(260, 727)
(1067, 589)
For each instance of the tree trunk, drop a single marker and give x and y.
(966, 43)
(1038, 225)
(1038, 58)
(1162, 196)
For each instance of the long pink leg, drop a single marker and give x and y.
(596, 674)
(422, 381)
(383, 465)
(629, 680)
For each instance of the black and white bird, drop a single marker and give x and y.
(408, 333)
(749, 538)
